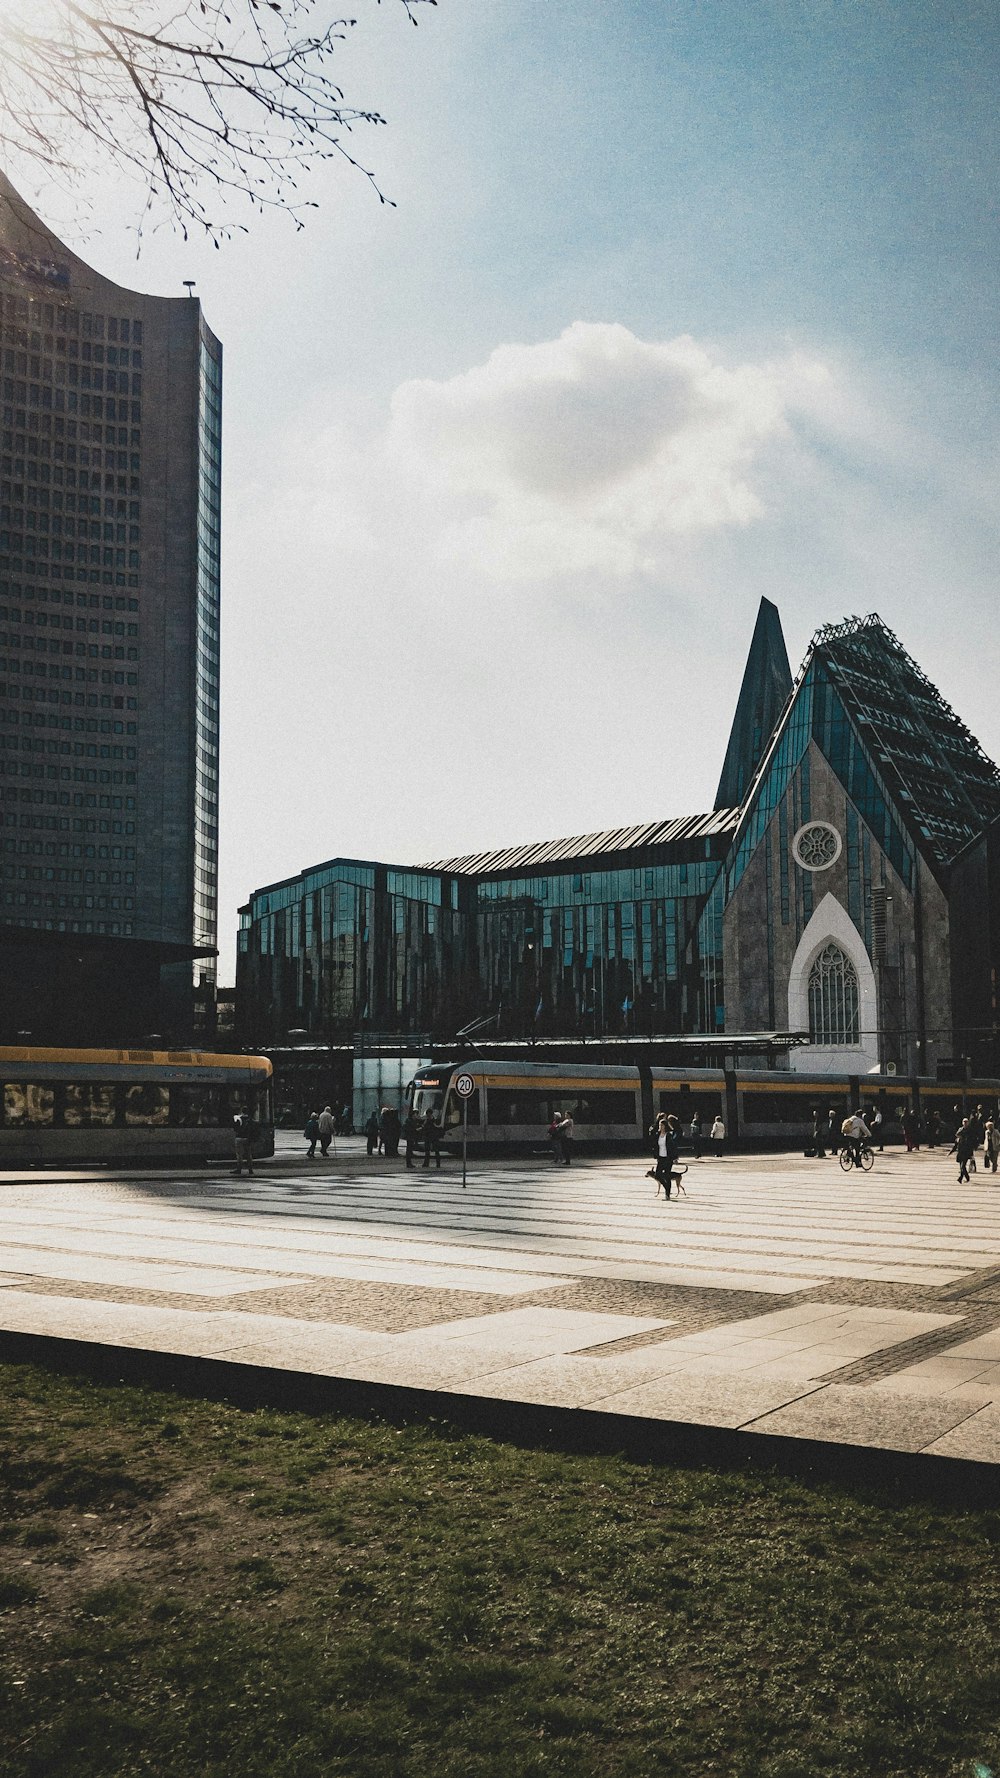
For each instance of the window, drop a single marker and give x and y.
(24, 1105)
(89, 1107)
(146, 1104)
(833, 999)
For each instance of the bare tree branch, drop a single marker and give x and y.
(216, 99)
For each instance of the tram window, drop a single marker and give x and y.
(523, 1107)
(89, 1106)
(194, 1106)
(25, 1105)
(604, 1108)
(684, 1105)
(147, 1104)
(779, 1108)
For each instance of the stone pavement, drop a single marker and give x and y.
(780, 1298)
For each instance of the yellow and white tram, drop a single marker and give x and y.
(514, 1102)
(129, 1105)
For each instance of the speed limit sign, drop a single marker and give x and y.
(465, 1086)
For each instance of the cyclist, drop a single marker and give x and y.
(856, 1132)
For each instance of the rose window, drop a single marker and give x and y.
(816, 846)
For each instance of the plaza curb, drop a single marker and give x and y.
(954, 1482)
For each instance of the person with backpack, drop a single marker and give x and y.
(311, 1134)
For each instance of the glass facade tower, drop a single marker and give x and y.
(110, 480)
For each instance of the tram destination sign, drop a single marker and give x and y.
(465, 1086)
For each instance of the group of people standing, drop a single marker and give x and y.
(386, 1130)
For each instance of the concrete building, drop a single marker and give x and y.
(851, 898)
(110, 477)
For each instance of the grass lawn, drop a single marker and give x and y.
(188, 1588)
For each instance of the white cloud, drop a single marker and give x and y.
(594, 450)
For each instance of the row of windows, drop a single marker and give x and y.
(536, 1106)
(22, 899)
(74, 824)
(97, 1105)
(22, 312)
(65, 849)
(84, 376)
(28, 355)
(45, 435)
(53, 596)
(81, 799)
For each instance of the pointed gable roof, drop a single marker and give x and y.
(767, 682)
(945, 787)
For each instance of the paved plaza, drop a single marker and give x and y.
(779, 1297)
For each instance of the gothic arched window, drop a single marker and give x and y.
(833, 999)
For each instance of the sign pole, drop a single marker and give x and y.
(465, 1086)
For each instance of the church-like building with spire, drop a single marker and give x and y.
(838, 911)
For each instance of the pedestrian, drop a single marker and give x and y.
(432, 1140)
(964, 1145)
(411, 1130)
(311, 1133)
(817, 1138)
(877, 1127)
(696, 1136)
(325, 1130)
(718, 1134)
(911, 1131)
(346, 1122)
(991, 1144)
(832, 1134)
(243, 1135)
(663, 1154)
(933, 1129)
(371, 1132)
(391, 1130)
(565, 1136)
(553, 1136)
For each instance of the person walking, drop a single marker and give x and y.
(695, 1132)
(411, 1130)
(911, 1130)
(371, 1132)
(553, 1136)
(991, 1145)
(432, 1140)
(933, 1129)
(832, 1133)
(662, 1156)
(325, 1130)
(718, 1135)
(244, 1130)
(817, 1137)
(877, 1127)
(391, 1129)
(965, 1142)
(311, 1134)
(565, 1136)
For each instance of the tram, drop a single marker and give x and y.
(139, 1106)
(514, 1102)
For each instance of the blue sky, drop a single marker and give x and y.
(679, 304)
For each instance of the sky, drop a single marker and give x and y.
(679, 305)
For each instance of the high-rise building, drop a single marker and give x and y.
(110, 477)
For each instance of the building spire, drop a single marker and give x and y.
(767, 682)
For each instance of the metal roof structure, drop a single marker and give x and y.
(946, 788)
(719, 823)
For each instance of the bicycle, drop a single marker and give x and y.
(866, 1158)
